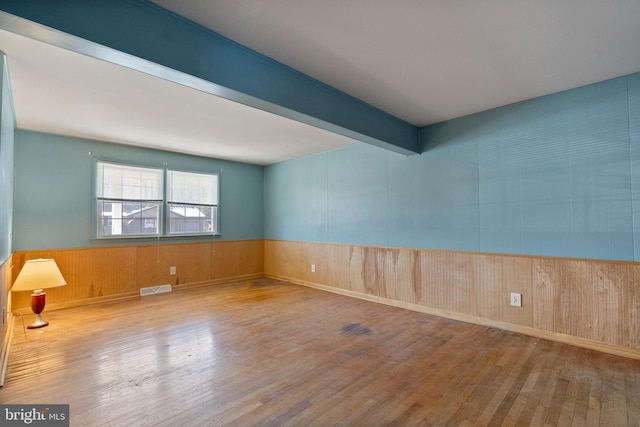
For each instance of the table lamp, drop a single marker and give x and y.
(36, 275)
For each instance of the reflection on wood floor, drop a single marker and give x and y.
(267, 352)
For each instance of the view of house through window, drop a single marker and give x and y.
(193, 202)
(131, 201)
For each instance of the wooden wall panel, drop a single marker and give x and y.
(5, 283)
(354, 267)
(612, 282)
(632, 308)
(94, 274)
(405, 266)
(577, 303)
(454, 269)
(589, 303)
(192, 262)
(545, 277)
(236, 258)
(586, 299)
(338, 267)
(283, 259)
(89, 273)
(373, 271)
(5, 322)
(499, 277)
(112, 271)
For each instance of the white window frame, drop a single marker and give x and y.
(196, 192)
(194, 196)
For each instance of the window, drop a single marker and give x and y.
(193, 202)
(131, 201)
(127, 196)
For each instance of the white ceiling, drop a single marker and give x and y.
(62, 92)
(426, 61)
(422, 61)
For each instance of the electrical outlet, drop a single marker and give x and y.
(172, 271)
(313, 268)
(516, 299)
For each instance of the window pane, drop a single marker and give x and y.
(128, 219)
(190, 219)
(192, 188)
(131, 201)
(128, 182)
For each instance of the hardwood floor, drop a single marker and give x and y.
(269, 353)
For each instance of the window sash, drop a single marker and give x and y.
(192, 219)
(189, 188)
(130, 201)
(129, 183)
(129, 219)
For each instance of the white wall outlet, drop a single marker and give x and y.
(516, 299)
(172, 271)
(313, 268)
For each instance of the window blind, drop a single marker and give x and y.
(122, 182)
(192, 188)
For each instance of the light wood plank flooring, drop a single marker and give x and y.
(269, 353)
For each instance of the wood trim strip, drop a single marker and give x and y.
(216, 282)
(6, 348)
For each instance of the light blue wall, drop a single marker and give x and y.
(552, 176)
(634, 140)
(7, 133)
(53, 191)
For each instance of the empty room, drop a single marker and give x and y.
(356, 213)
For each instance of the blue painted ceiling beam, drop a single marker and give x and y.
(143, 30)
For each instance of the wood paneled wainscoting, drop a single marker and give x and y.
(111, 273)
(592, 304)
(6, 322)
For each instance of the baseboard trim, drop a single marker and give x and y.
(6, 348)
(525, 330)
(215, 282)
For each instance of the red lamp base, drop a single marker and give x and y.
(37, 305)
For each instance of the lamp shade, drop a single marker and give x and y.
(38, 274)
